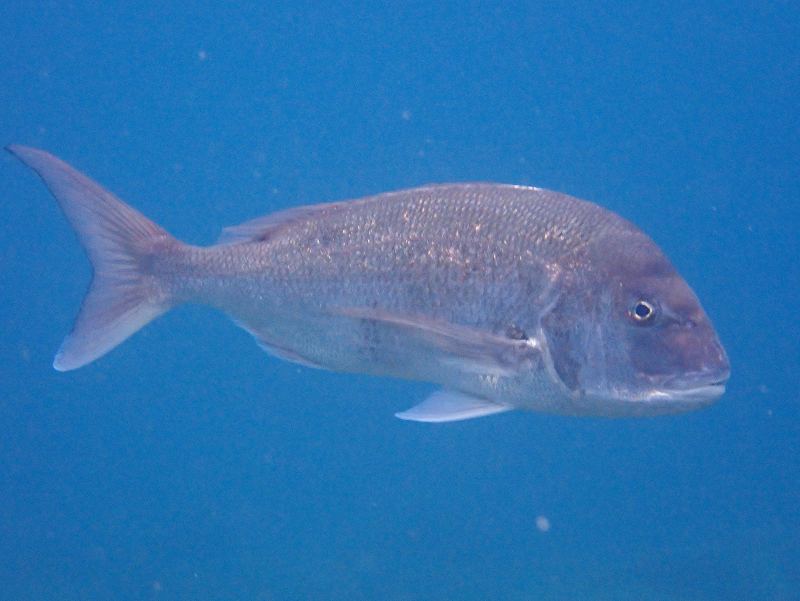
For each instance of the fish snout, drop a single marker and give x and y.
(704, 367)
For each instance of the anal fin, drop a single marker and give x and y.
(278, 351)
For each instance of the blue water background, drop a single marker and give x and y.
(187, 464)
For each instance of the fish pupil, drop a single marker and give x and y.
(643, 311)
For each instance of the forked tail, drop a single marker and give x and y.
(121, 244)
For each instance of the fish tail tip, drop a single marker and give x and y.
(58, 365)
(18, 150)
(63, 361)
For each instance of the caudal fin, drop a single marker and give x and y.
(121, 244)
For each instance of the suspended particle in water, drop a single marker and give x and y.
(542, 523)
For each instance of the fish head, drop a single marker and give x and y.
(629, 335)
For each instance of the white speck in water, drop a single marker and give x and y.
(542, 523)
(202, 55)
(406, 115)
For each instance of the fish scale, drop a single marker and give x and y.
(459, 242)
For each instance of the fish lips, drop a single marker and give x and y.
(701, 388)
(697, 395)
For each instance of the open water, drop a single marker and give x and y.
(187, 464)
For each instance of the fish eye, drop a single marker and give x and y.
(642, 311)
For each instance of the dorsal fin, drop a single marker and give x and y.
(263, 228)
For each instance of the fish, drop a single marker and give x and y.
(504, 296)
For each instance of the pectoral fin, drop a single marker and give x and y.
(470, 349)
(451, 406)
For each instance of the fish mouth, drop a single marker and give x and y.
(696, 393)
(700, 387)
(680, 397)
